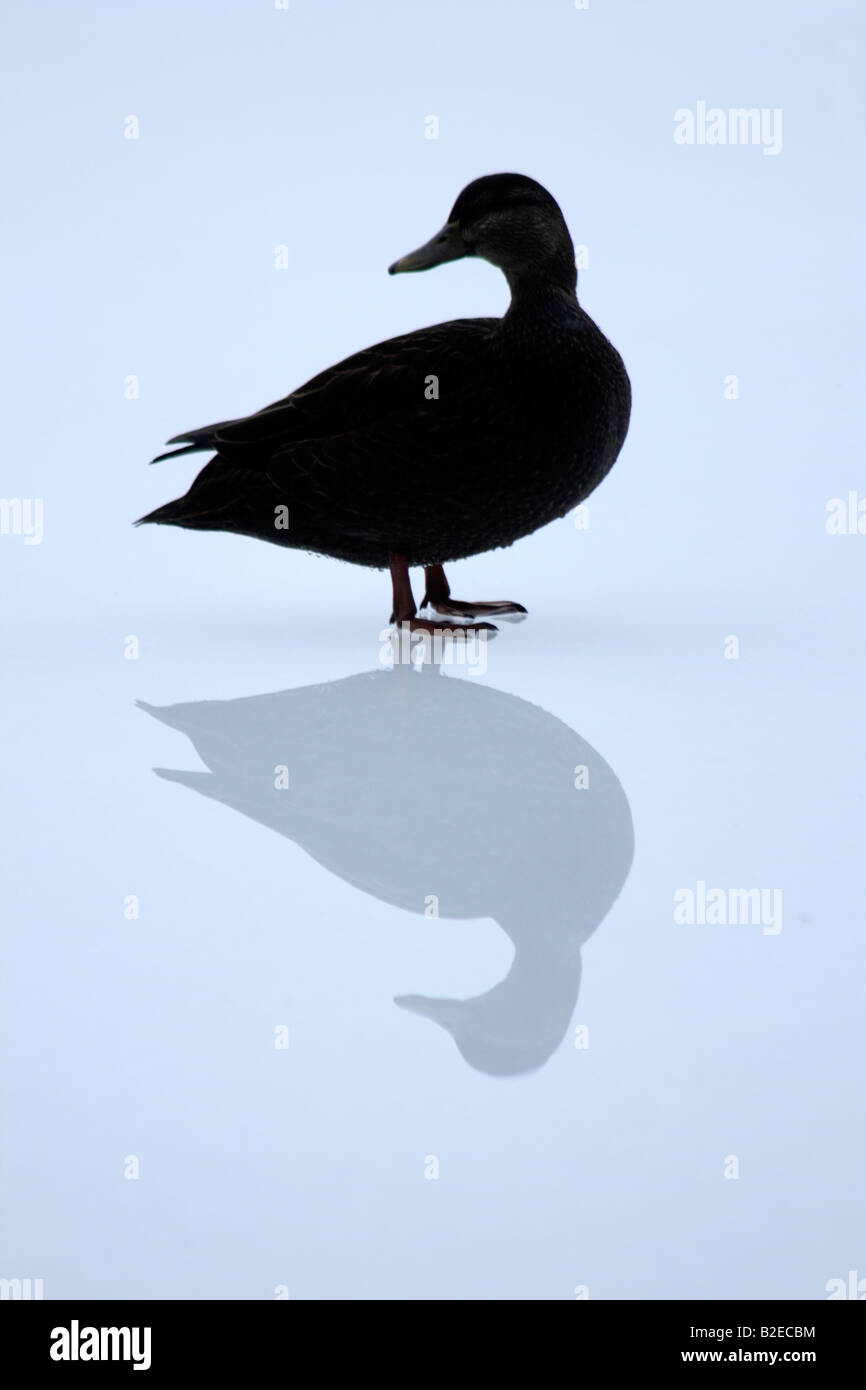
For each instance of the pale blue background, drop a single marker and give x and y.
(156, 257)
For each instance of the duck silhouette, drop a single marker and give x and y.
(409, 782)
(439, 444)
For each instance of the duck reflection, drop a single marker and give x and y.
(409, 782)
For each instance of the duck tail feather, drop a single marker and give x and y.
(176, 453)
(165, 514)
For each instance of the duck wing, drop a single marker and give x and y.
(365, 455)
(380, 388)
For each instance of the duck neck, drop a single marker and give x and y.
(542, 294)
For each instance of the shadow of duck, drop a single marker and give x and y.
(409, 782)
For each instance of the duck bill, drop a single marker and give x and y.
(445, 1012)
(447, 245)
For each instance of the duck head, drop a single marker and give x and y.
(509, 220)
(518, 1024)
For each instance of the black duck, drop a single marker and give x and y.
(442, 443)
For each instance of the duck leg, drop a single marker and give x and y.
(404, 609)
(437, 595)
